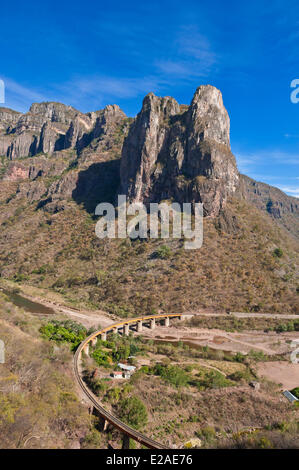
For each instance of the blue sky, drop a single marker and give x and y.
(89, 54)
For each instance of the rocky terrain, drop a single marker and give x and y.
(171, 151)
(283, 208)
(180, 152)
(57, 164)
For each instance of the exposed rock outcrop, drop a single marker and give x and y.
(50, 127)
(32, 191)
(169, 151)
(280, 206)
(42, 130)
(180, 152)
(15, 172)
(8, 117)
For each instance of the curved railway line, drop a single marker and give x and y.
(106, 415)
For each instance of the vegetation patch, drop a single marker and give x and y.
(66, 331)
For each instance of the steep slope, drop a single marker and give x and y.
(284, 209)
(180, 152)
(39, 408)
(249, 259)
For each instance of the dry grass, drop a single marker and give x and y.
(39, 407)
(235, 271)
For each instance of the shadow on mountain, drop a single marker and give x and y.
(98, 183)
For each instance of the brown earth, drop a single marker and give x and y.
(281, 373)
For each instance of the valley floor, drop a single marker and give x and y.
(209, 410)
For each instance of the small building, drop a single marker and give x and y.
(290, 396)
(126, 367)
(117, 374)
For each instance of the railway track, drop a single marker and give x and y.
(106, 415)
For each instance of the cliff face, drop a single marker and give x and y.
(69, 155)
(281, 207)
(46, 128)
(169, 151)
(180, 152)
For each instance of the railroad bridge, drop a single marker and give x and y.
(137, 325)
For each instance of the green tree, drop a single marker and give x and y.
(133, 411)
(278, 252)
(101, 357)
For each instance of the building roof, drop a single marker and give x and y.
(126, 366)
(290, 396)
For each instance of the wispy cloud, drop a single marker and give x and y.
(291, 136)
(281, 164)
(18, 96)
(195, 45)
(290, 190)
(193, 56)
(96, 90)
(101, 90)
(246, 162)
(277, 156)
(188, 57)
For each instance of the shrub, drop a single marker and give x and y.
(295, 392)
(172, 374)
(290, 326)
(239, 357)
(208, 433)
(213, 379)
(278, 253)
(113, 395)
(133, 411)
(64, 331)
(163, 252)
(101, 357)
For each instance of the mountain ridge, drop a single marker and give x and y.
(168, 151)
(249, 257)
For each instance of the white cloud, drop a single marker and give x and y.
(278, 156)
(18, 96)
(193, 44)
(97, 91)
(290, 190)
(193, 56)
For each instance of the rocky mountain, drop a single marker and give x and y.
(180, 152)
(169, 151)
(50, 127)
(55, 142)
(282, 208)
(57, 164)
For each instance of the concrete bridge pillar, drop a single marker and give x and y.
(153, 324)
(166, 321)
(139, 326)
(104, 336)
(126, 329)
(126, 442)
(86, 349)
(115, 331)
(103, 424)
(94, 341)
